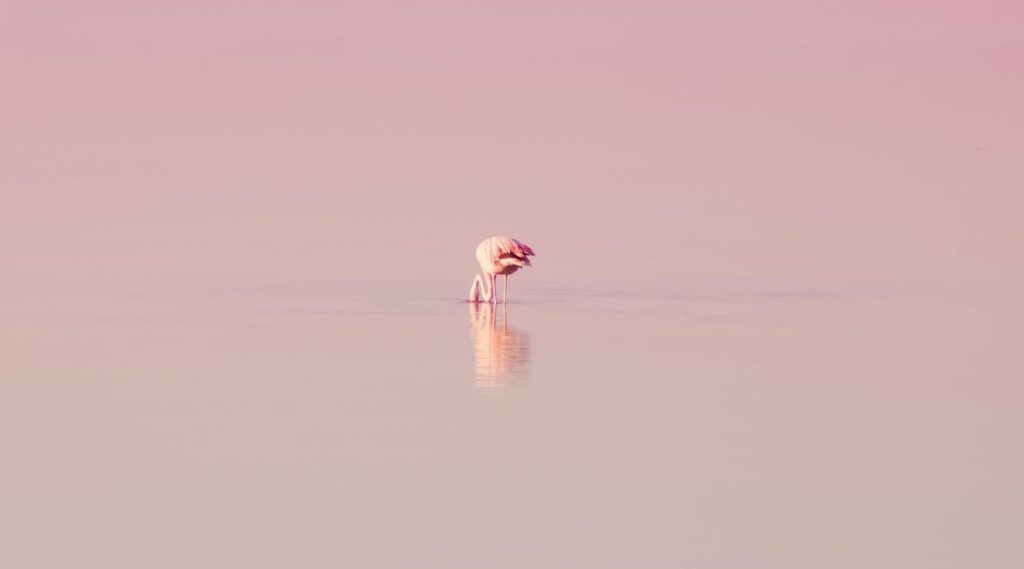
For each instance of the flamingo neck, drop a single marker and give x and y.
(482, 289)
(488, 288)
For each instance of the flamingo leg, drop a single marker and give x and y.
(505, 296)
(494, 288)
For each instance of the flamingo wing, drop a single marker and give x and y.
(507, 247)
(501, 251)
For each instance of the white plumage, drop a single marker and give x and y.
(498, 255)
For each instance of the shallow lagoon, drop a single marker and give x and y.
(331, 425)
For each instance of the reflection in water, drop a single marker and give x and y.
(501, 353)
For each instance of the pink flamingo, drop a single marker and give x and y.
(497, 256)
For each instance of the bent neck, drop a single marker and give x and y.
(487, 287)
(483, 288)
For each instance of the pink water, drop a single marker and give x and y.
(775, 319)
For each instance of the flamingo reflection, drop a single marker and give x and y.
(501, 353)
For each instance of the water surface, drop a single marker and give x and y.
(332, 425)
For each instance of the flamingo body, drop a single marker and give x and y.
(498, 255)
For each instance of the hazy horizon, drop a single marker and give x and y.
(774, 318)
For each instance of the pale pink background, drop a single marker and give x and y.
(775, 318)
(867, 143)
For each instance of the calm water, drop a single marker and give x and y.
(330, 425)
(775, 318)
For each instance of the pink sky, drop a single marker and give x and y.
(831, 192)
(832, 144)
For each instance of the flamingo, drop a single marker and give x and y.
(497, 256)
